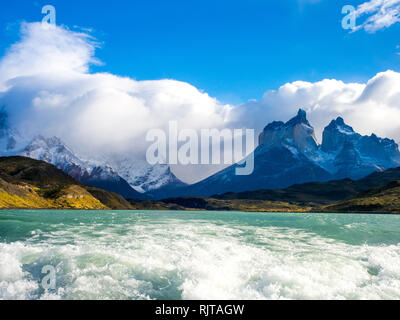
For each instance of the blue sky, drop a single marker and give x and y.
(233, 50)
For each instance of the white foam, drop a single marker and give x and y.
(198, 260)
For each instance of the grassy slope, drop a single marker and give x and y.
(28, 183)
(319, 192)
(26, 196)
(110, 199)
(198, 203)
(384, 199)
(303, 194)
(316, 196)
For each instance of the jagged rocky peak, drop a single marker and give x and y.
(303, 133)
(339, 121)
(144, 177)
(336, 134)
(288, 154)
(297, 133)
(340, 126)
(54, 151)
(301, 118)
(380, 148)
(270, 132)
(275, 125)
(42, 142)
(51, 150)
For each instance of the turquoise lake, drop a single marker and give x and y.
(199, 255)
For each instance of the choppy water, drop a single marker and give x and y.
(207, 255)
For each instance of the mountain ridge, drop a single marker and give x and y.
(31, 184)
(54, 151)
(377, 193)
(289, 154)
(127, 177)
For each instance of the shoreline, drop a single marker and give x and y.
(200, 211)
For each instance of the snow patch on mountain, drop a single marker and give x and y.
(119, 176)
(144, 177)
(54, 151)
(288, 153)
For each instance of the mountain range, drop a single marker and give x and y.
(379, 192)
(31, 184)
(288, 153)
(54, 151)
(128, 177)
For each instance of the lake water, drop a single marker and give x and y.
(199, 255)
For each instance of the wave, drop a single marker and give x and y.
(196, 260)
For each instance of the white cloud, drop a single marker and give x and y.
(47, 49)
(370, 108)
(47, 88)
(380, 14)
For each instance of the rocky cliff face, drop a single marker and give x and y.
(288, 153)
(283, 158)
(336, 134)
(296, 133)
(353, 155)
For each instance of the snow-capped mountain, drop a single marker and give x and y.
(128, 177)
(351, 155)
(144, 177)
(288, 153)
(54, 151)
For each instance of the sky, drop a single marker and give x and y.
(107, 73)
(233, 50)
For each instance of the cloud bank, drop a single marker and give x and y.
(380, 14)
(47, 88)
(373, 107)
